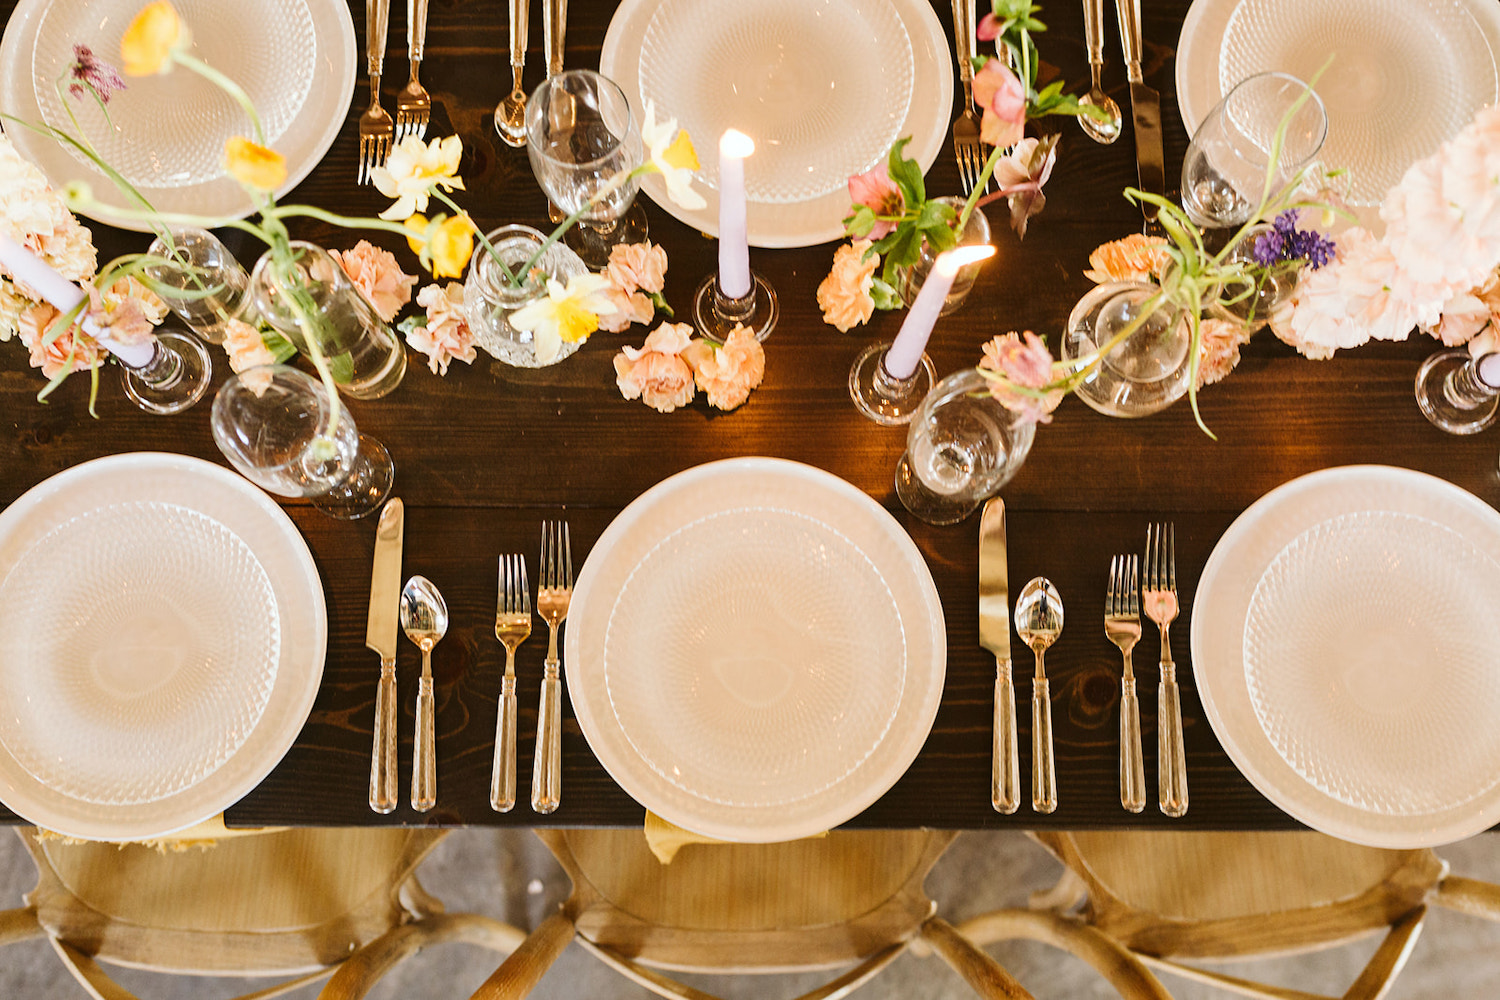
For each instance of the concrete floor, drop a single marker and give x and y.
(510, 876)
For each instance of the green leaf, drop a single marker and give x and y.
(935, 213)
(906, 245)
(906, 174)
(341, 367)
(860, 222)
(885, 296)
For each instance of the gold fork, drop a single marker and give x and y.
(1122, 626)
(413, 105)
(554, 593)
(376, 129)
(966, 145)
(512, 627)
(1159, 594)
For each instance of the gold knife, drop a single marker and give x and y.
(994, 635)
(380, 635)
(1145, 109)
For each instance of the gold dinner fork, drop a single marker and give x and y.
(966, 145)
(512, 627)
(1122, 626)
(413, 105)
(554, 593)
(376, 129)
(1159, 594)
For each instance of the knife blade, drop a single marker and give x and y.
(994, 635)
(380, 636)
(1145, 109)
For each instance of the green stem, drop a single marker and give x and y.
(231, 88)
(484, 241)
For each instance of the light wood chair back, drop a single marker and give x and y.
(294, 903)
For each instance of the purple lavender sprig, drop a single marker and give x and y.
(1285, 242)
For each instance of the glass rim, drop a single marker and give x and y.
(1288, 78)
(603, 84)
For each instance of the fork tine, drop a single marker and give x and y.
(544, 572)
(1172, 557)
(568, 554)
(525, 589)
(1150, 556)
(512, 599)
(1111, 598)
(1134, 602)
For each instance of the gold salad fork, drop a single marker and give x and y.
(512, 627)
(413, 105)
(554, 593)
(1159, 594)
(1122, 626)
(966, 145)
(376, 129)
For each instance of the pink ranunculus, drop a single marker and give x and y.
(655, 373)
(446, 336)
(875, 189)
(999, 92)
(637, 267)
(375, 272)
(728, 373)
(1025, 363)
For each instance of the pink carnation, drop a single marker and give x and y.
(655, 373)
(630, 308)
(1025, 363)
(637, 267)
(1219, 348)
(446, 335)
(52, 359)
(728, 373)
(375, 272)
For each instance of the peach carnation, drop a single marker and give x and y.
(446, 335)
(728, 373)
(632, 307)
(844, 296)
(1134, 258)
(1219, 343)
(375, 272)
(656, 373)
(52, 359)
(246, 349)
(637, 267)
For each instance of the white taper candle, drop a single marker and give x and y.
(734, 241)
(906, 353)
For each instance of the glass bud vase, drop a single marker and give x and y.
(1142, 374)
(976, 232)
(310, 292)
(1253, 302)
(962, 446)
(489, 299)
(199, 280)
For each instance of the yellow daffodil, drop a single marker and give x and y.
(147, 45)
(566, 313)
(444, 244)
(414, 169)
(254, 165)
(672, 155)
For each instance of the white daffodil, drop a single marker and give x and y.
(672, 155)
(566, 313)
(414, 169)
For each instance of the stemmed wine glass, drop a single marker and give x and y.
(580, 135)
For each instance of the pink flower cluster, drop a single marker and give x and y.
(445, 336)
(667, 371)
(375, 272)
(636, 271)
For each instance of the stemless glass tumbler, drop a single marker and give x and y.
(580, 136)
(1225, 169)
(276, 426)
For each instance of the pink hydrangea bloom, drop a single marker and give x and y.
(375, 272)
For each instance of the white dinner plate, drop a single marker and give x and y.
(181, 716)
(1405, 75)
(1314, 556)
(295, 58)
(828, 111)
(755, 650)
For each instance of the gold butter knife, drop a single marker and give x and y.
(380, 635)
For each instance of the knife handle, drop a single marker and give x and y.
(554, 33)
(503, 774)
(1005, 762)
(383, 754)
(1132, 768)
(1171, 759)
(1043, 776)
(546, 771)
(424, 767)
(1130, 36)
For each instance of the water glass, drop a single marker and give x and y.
(1224, 172)
(963, 445)
(199, 280)
(275, 425)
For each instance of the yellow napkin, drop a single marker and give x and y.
(202, 836)
(666, 839)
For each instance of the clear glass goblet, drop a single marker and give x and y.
(580, 136)
(1225, 169)
(274, 424)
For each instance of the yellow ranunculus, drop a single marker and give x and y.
(254, 165)
(147, 44)
(449, 246)
(416, 233)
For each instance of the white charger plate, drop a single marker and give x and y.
(788, 223)
(145, 480)
(296, 59)
(725, 782)
(1259, 540)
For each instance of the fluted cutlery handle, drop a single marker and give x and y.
(1171, 761)
(1005, 770)
(424, 764)
(520, 14)
(383, 753)
(554, 31)
(1132, 767)
(503, 775)
(416, 29)
(546, 772)
(377, 23)
(1043, 775)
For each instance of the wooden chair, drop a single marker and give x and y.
(298, 904)
(848, 899)
(1170, 897)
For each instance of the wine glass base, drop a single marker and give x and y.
(594, 244)
(183, 385)
(885, 400)
(1447, 411)
(715, 315)
(368, 484)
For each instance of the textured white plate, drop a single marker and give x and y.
(818, 735)
(1405, 76)
(1275, 536)
(270, 703)
(295, 58)
(785, 209)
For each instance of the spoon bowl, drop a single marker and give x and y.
(424, 615)
(510, 118)
(1103, 131)
(1039, 616)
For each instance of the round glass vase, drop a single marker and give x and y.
(976, 232)
(1147, 371)
(311, 293)
(199, 280)
(490, 299)
(962, 446)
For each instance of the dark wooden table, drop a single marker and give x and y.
(483, 454)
